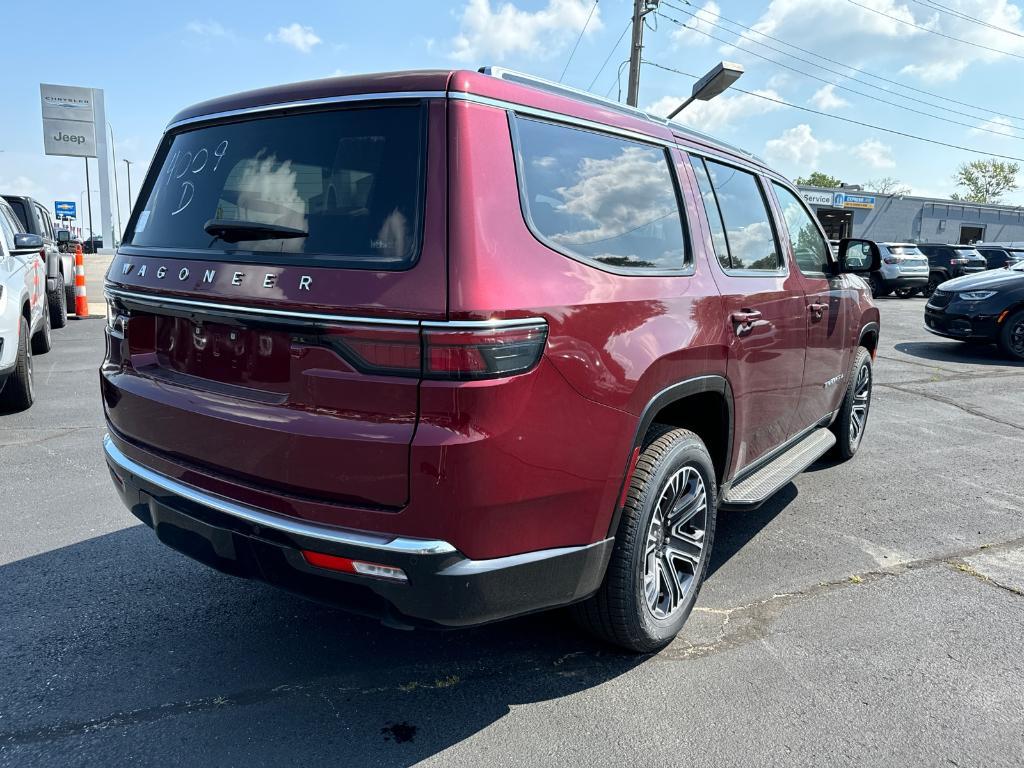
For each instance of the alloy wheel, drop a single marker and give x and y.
(1017, 338)
(861, 402)
(675, 542)
(28, 369)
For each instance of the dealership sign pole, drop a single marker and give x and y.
(70, 119)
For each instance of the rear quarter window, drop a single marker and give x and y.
(599, 198)
(352, 180)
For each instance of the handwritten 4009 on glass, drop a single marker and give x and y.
(187, 166)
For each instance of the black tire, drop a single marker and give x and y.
(934, 280)
(621, 612)
(42, 340)
(57, 303)
(1011, 338)
(69, 293)
(877, 286)
(906, 293)
(17, 393)
(852, 418)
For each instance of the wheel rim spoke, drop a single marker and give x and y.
(674, 546)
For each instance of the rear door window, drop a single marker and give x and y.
(343, 187)
(749, 234)
(600, 198)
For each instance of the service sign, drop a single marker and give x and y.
(859, 201)
(817, 198)
(69, 137)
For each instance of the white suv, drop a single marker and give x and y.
(904, 269)
(24, 318)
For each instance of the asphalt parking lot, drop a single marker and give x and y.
(871, 614)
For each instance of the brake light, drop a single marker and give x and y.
(440, 351)
(482, 354)
(891, 260)
(42, 254)
(955, 260)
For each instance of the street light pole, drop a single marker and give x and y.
(117, 195)
(128, 165)
(717, 80)
(640, 9)
(88, 194)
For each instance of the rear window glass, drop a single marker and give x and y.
(972, 252)
(341, 187)
(904, 250)
(19, 210)
(600, 198)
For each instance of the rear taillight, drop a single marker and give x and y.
(486, 353)
(958, 261)
(440, 351)
(42, 254)
(891, 260)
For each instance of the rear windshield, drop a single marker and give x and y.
(972, 252)
(905, 250)
(340, 187)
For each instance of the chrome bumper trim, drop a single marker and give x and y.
(383, 542)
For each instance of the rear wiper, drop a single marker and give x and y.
(233, 230)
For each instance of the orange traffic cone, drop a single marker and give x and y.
(81, 302)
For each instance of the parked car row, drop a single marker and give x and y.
(36, 284)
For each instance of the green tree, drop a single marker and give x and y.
(819, 179)
(887, 185)
(986, 181)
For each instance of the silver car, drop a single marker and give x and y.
(904, 269)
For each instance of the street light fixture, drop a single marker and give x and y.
(724, 74)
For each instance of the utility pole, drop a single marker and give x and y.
(117, 195)
(640, 9)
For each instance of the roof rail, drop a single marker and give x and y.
(524, 78)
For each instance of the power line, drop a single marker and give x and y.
(933, 31)
(577, 45)
(900, 106)
(964, 17)
(844, 119)
(849, 66)
(611, 53)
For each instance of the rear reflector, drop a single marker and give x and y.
(358, 567)
(435, 352)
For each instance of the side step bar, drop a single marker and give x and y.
(753, 490)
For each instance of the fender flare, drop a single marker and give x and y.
(866, 329)
(673, 393)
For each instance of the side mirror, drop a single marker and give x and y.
(859, 257)
(26, 242)
(63, 236)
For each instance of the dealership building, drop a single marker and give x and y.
(853, 212)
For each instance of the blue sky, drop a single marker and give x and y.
(152, 62)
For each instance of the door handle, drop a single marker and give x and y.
(817, 310)
(743, 321)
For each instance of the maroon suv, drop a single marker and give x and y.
(448, 347)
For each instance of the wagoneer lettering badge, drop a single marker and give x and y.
(267, 280)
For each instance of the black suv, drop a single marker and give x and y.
(946, 261)
(999, 256)
(60, 282)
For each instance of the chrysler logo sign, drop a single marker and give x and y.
(236, 277)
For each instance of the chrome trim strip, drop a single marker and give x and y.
(284, 105)
(144, 298)
(471, 567)
(399, 544)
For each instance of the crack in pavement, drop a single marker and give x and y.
(740, 625)
(955, 404)
(60, 433)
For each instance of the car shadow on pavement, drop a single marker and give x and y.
(954, 352)
(135, 651)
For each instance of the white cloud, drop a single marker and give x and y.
(825, 99)
(1001, 125)
(208, 29)
(798, 149)
(488, 33)
(874, 153)
(299, 37)
(721, 112)
(701, 22)
(874, 42)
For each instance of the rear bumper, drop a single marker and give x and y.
(443, 587)
(906, 281)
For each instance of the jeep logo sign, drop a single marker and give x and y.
(68, 120)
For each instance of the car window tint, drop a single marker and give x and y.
(748, 227)
(19, 210)
(600, 198)
(713, 214)
(9, 225)
(809, 248)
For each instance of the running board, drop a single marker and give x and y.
(754, 490)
